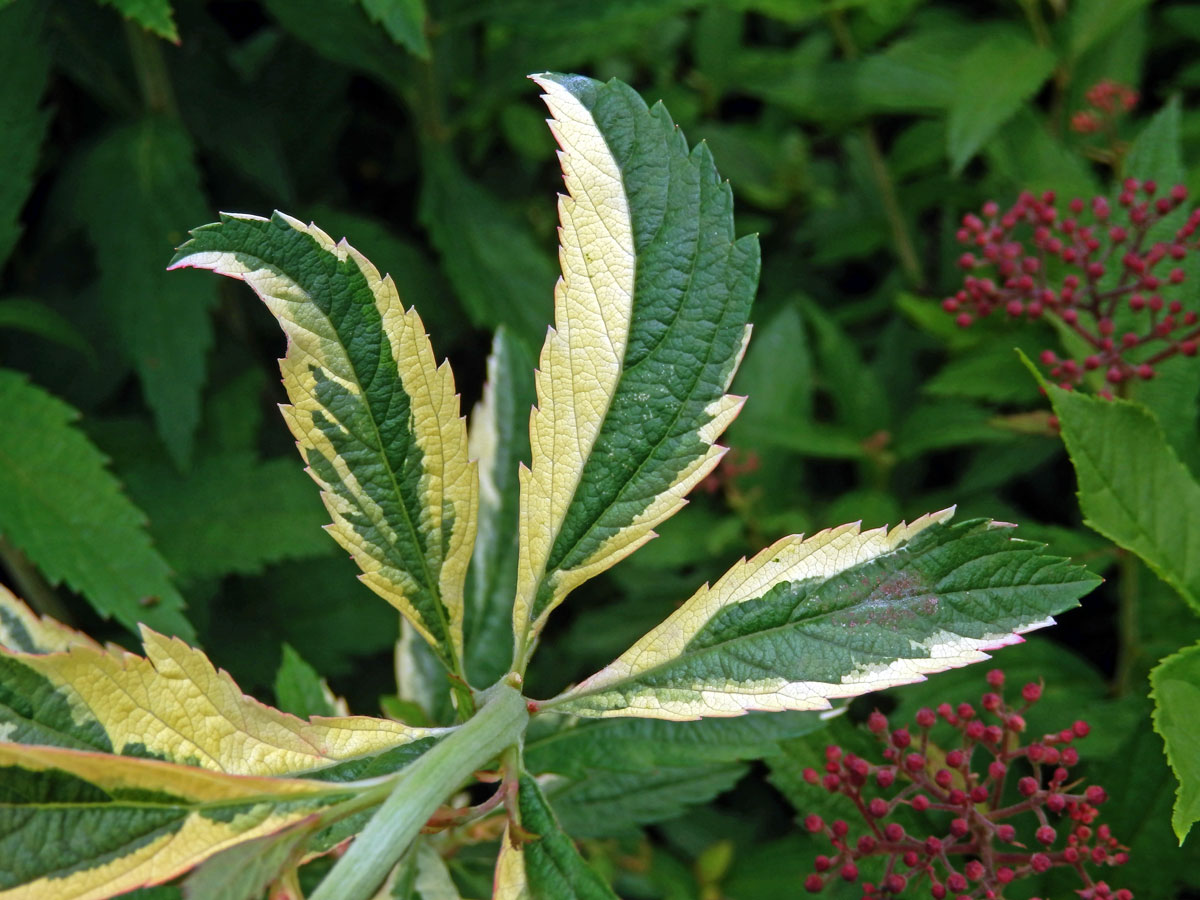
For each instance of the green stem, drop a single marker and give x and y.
(146, 52)
(34, 589)
(1128, 637)
(418, 793)
(902, 241)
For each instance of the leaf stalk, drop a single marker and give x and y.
(419, 792)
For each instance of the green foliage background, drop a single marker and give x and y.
(855, 135)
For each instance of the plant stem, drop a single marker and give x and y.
(1128, 637)
(421, 790)
(902, 241)
(151, 69)
(33, 587)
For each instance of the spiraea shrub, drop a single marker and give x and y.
(123, 771)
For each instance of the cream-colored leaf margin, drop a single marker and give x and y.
(793, 558)
(174, 703)
(270, 805)
(581, 360)
(448, 482)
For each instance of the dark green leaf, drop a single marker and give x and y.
(231, 513)
(32, 317)
(1132, 487)
(139, 191)
(554, 870)
(501, 275)
(403, 20)
(299, 690)
(993, 81)
(64, 509)
(153, 15)
(24, 64)
(1093, 20)
(1176, 693)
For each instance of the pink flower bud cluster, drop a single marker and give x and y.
(1004, 809)
(1085, 268)
(1107, 100)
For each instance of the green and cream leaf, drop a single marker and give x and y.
(499, 442)
(132, 822)
(650, 324)
(174, 705)
(547, 866)
(377, 420)
(841, 613)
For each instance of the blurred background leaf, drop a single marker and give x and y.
(855, 135)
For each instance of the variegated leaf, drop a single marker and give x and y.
(24, 630)
(173, 705)
(650, 324)
(842, 613)
(547, 866)
(499, 442)
(77, 825)
(377, 420)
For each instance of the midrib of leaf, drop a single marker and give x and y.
(378, 520)
(667, 433)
